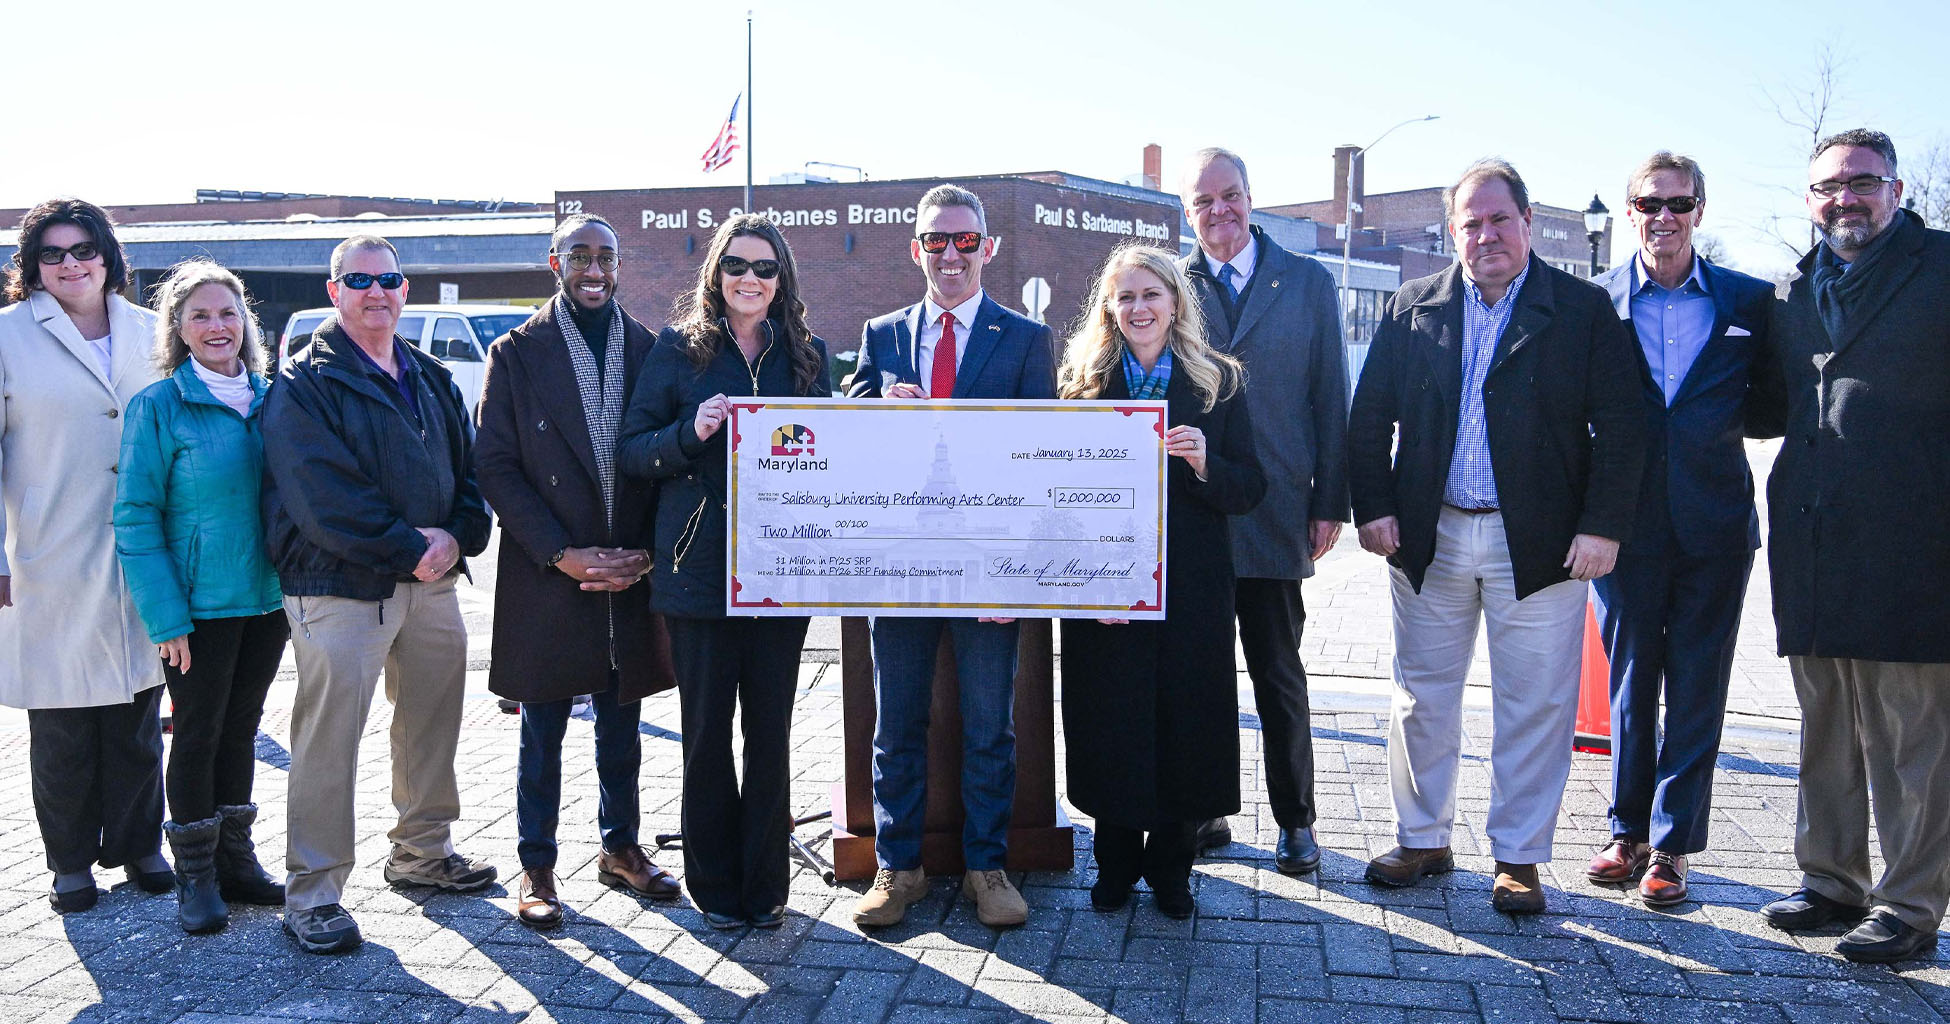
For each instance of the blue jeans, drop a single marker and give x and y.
(538, 787)
(904, 651)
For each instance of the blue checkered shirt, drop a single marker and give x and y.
(1472, 481)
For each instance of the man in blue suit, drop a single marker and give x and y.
(956, 343)
(1671, 609)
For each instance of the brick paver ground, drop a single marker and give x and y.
(1263, 948)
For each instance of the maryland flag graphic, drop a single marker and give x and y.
(792, 439)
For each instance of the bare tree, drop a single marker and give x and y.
(1807, 107)
(1926, 184)
(1710, 248)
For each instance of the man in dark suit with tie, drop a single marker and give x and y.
(1670, 611)
(1274, 310)
(955, 343)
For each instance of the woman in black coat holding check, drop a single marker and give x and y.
(744, 335)
(1151, 709)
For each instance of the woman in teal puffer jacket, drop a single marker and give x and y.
(190, 537)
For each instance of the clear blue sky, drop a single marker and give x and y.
(508, 100)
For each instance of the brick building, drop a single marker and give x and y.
(850, 242)
(1406, 228)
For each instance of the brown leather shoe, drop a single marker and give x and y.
(1403, 865)
(1517, 890)
(538, 906)
(1664, 883)
(1619, 862)
(630, 869)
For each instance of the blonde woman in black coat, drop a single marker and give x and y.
(1150, 709)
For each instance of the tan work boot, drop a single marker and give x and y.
(997, 903)
(887, 900)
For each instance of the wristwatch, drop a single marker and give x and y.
(557, 557)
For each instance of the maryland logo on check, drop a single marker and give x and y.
(912, 507)
(792, 439)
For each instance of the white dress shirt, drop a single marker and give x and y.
(964, 315)
(1242, 263)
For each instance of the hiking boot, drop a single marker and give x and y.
(887, 900)
(326, 929)
(453, 872)
(997, 903)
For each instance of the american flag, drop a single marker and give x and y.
(727, 141)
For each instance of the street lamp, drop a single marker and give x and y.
(1595, 217)
(1347, 215)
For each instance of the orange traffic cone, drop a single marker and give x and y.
(1594, 691)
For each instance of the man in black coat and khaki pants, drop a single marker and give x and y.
(1860, 556)
(571, 615)
(1275, 311)
(1514, 390)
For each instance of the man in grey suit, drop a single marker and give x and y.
(1275, 310)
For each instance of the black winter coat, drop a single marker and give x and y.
(1151, 709)
(1566, 423)
(351, 471)
(1857, 546)
(552, 639)
(659, 442)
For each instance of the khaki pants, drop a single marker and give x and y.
(1881, 730)
(1536, 650)
(417, 638)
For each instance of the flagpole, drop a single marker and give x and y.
(748, 110)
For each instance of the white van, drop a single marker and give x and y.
(458, 336)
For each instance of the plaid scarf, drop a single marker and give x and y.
(602, 395)
(1147, 385)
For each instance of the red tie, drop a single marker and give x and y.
(943, 383)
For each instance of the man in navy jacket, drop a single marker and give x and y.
(956, 343)
(369, 505)
(1671, 609)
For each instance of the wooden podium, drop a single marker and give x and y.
(1039, 831)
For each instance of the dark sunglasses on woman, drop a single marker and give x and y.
(358, 281)
(736, 266)
(51, 256)
(965, 242)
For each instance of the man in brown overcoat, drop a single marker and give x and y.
(569, 615)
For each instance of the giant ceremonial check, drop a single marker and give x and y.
(969, 508)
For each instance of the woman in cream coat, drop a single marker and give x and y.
(72, 650)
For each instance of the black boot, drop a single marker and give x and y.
(238, 872)
(199, 907)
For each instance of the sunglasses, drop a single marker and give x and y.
(737, 266)
(581, 260)
(937, 241)
(358, 281)
(1861, 185)
(1651, 205)
(51, 256)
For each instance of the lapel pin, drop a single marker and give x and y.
(995, 327)
(1276, 282)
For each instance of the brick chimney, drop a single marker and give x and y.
(1154, 166)
(1343, 154)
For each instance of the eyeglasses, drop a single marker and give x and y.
(737, 266)
(1679, 205)
(937, 241)
(358, 281)
(1861, 185)
(51, 256)
(581, 260)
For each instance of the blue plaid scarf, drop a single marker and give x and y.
(1147, 385)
